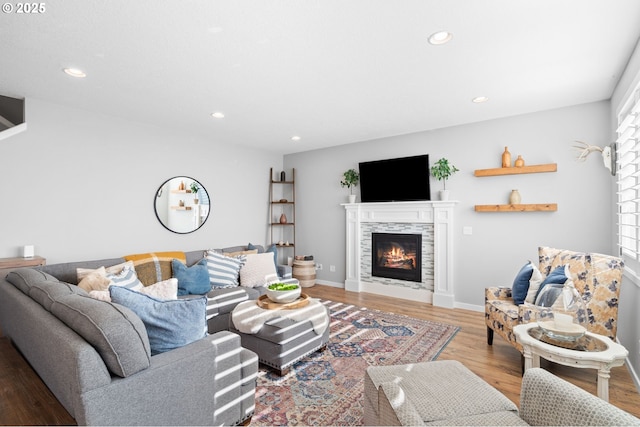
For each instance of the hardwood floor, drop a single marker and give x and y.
(25, 400)
(500, 364)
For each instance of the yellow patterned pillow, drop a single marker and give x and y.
(155, 267)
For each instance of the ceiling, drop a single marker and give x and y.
(329, 71)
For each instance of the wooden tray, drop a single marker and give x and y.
(266, 303)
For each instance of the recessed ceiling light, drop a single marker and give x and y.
(217, 115)
(74, 72)
(295, 138)
(479, 99)
(441, 37)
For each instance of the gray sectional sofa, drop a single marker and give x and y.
(94, 355)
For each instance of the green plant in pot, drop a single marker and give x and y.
(194, 189)
(350, 179)
(442, 171)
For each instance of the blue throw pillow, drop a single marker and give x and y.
(170, 323)
(557, 276)
(191, 280)
(521, 283)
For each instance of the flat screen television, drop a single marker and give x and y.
(395, 180)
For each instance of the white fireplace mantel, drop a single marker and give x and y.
(438, 213)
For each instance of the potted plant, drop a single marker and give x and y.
(350, 179)
(194, 189)
(442, 170)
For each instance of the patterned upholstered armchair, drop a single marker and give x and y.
(596, 277)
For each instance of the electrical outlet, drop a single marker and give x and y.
(318, 266)
(332, 268)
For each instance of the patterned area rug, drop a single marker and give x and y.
(327, 387)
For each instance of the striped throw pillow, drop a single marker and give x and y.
(223, 270)
(126, 278)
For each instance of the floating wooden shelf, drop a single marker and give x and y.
(282, 223)
(544, 207)
(550, 167)
(181, 208)
(180, 191)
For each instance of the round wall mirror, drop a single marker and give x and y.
(182, 204)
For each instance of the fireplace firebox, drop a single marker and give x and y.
(397, 256)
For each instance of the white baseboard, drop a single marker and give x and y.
(332, 284)
(470, 307)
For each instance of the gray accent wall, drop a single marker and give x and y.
(500, 243)
(79, 185)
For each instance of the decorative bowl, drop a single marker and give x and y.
(283, 292)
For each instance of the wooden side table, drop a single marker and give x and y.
(590, 351)
(18, 262)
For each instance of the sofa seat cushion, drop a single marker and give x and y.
(169, 323)
(224, 300)
(116, 332)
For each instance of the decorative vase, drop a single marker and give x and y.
(562, 313)
(283, 219)
(443, 195)
(506, 158)
(352, 198)
(195, 201)
(514, 197)
(283, 176)
(519, 161)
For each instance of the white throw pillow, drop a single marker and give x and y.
(258, 270)
(534, 285)
(165, 290)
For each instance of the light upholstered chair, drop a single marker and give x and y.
(597, 278)
(448, 393)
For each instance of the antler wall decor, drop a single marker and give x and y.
(608, 153)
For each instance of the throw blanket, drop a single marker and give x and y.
(248, 318)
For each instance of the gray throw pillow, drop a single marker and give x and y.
(115, 331)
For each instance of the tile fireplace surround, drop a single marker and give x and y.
(434, 220)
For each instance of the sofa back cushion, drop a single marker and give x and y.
(24, 278)
(47, 292)
(68, 272)
(117, 334)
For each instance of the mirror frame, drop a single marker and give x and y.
(158, 195)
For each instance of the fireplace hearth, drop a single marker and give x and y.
(397, 256)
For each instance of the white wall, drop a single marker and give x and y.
(501, 242)
(81, 186)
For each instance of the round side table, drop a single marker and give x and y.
(590, 351)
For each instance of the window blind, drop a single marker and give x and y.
(628, 173)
